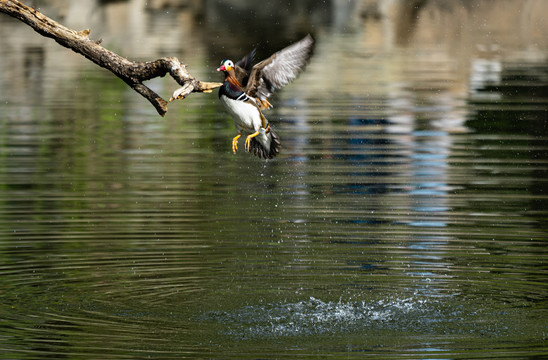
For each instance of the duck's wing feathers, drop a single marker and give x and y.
(243, 67)
(279, 69)
(246, 62)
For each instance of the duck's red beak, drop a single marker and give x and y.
(221, 68)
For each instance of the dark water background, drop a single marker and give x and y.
(406, 216)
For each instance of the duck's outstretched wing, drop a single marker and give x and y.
(278, 70)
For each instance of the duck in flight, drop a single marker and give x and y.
(246, 89)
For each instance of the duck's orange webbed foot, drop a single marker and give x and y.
(248, 139)
(235, 143)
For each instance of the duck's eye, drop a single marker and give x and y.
(229, 63)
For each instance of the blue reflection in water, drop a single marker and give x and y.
(429, 196)
(429, 172)
(365, 158)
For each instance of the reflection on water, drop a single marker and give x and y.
(405, 217)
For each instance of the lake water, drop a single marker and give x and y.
(406, 216)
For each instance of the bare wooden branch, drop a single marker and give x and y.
(133, 73)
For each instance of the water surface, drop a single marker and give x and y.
(405, 217)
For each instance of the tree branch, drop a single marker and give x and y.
(133, 73)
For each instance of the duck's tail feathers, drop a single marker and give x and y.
(268, 149)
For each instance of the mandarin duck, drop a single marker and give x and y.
(246, 89)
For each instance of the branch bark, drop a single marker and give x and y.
(132, 73)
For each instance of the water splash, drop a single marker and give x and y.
(417, 316)
(314, 316)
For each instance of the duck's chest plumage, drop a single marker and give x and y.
(241, 107)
